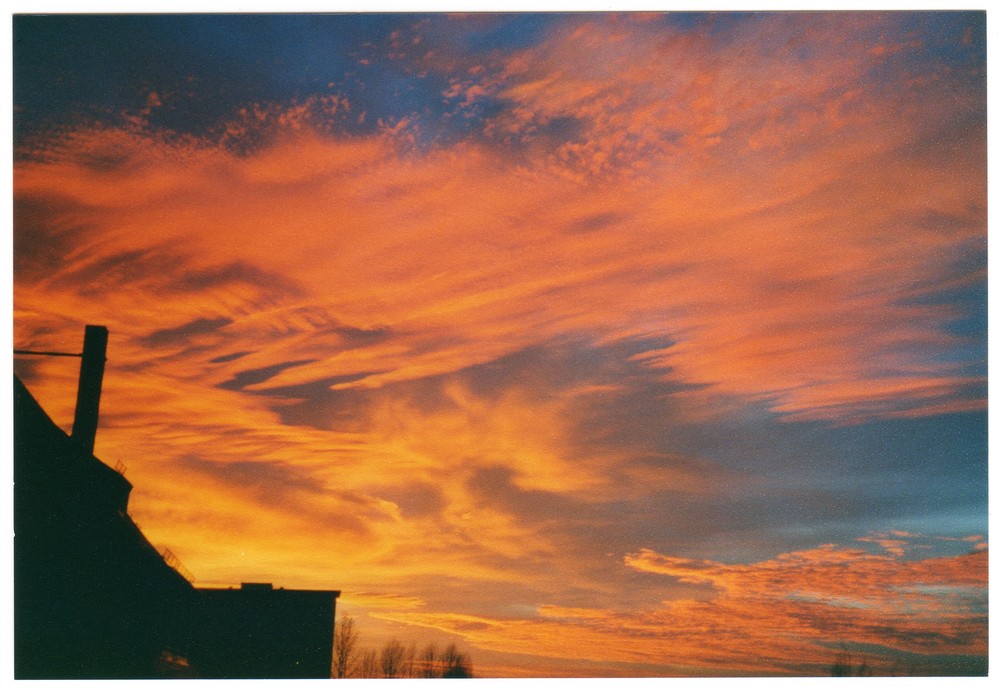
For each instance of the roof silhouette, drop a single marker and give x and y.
(93, 598)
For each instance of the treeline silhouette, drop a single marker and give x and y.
(845, 665)
(394, 659)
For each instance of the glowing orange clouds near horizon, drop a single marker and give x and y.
(787, 615)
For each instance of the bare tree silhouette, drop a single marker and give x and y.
(409, 661)
(843, 665)
(428, 661)
(455, 664)
(368, 664)
(345, 639)
(391, 659)
(394, 659)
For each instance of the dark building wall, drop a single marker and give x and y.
(94, 599)
(247, 632)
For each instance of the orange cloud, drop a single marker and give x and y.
(766, 305)
(787, 615)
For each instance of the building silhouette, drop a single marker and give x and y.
(93, 598)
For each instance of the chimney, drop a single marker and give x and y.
(88, 394)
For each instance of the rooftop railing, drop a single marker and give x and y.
(175, 563)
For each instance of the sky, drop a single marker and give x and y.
(644, 344)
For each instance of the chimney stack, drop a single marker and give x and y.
(88, 393)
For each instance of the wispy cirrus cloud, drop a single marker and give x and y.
(803, 293)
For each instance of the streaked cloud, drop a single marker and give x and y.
(803, 606)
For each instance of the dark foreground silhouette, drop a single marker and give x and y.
(94, 599)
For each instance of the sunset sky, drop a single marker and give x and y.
(602, 345)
